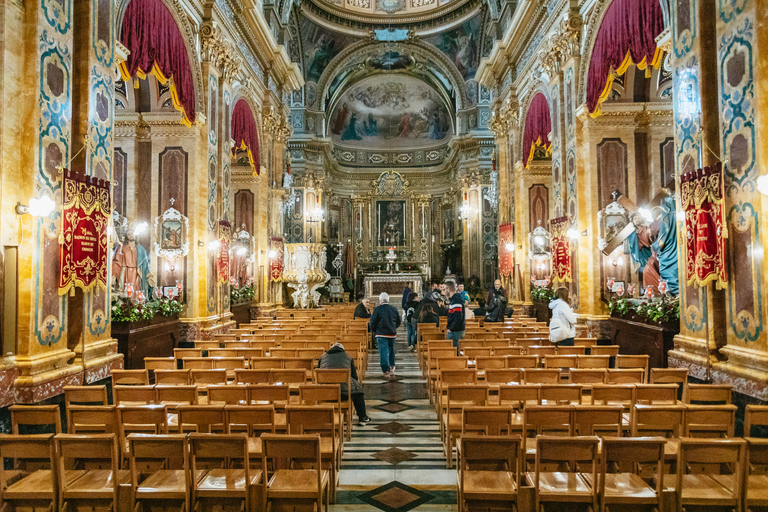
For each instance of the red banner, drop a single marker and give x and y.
(701, 193)
(224, 236)
(506, 249)
(276, 262)
(561, 250)
(85, 213)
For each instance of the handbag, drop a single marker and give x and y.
(557, 331)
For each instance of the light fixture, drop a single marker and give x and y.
(465, 211)
(139, 228)
(38, 207)
(214, 245)
(272, 254)
(242, 251)
(572, 233)
(762, 184)
(540, 240)
(509, 247)
(646, 214)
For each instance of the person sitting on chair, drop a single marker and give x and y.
(337, 358)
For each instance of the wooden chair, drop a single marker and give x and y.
(288, 483)
(522, 361)
(568, 484)
(451, 378)
(204, 378)
(545, 420)
(181, 353)
(488, 471)
(507, 351)
(474, 352)
(264, 363)
(594, 361)
(488, 421)
(222, 352)
(701, 480)
(614, 394)
(625, 376)
(134, 395)
(709, 394)
(678, 376)
(519, 396)
(159, 363)
(160, 472)
(32, 482)
(711, 421)
(598, 420)
(656, 394)
(558, 361)
(93, 488)
(341, 377)
(755, 416)
(483, 363)
(230, 364)
(130, 377)
(587, 376)
(561, 394)
(223, 394)
(622, 481)
(173, 377)
(541, 376)
(325, 394)
(666, 421)
(541, 350)
(604, 350)
(197, 363)
(83, 419)
(141, 419)
(176, 395)
(458, 397)
(294, 377)
(253, 376)
(571, 351)
(633, 361)
(85, 395)
(756, 472)
(321, 420)
(25, 418)
(503, 376)
(232, 480)
(266, 394)
(207, 344)
(201, 418)
(253, 420)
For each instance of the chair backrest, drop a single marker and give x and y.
(130, 377)
(181, 353)
(626, 376)
(633, 455)
(292, 447)
(452, 363)
(561, 394)
(587, 376)
(541, 350)
(507, 351)
(474, 352)
(656, 394)
(658, 420)
(293, 376)
(208, 377)
(134, 395)
(572, 453)
(294, 363)
(463, 395)
(147, 419)
(230, 449)
(546, 419)
(697, 456)
(265, 394)
(541, 376)
(20, 449)
(594, 361)
(82, 419)
(709, 394)
(25, 416)
(252, 376)
(74, 449)
(222, 352)
(755, 416)
(667, 375)
(598, 420)
(265, 363)
(282, 352)
(556, 361)
(172, 377)
(491, 451)
(201, 418)
(632, 361)
(467, 376)
(176, 395)
(252, 419)
(520, 396)
(490, 362)
(489, 421)
(614, 394)
(503, 376)
(167, 451)
(604, 350)
(311, 419)
(227, 394)
(159, 363)
(710, 420)
(320, 394)
(206, 344)
(228, 363)
(528, 361)
(571, 351)
(85, 395)
(198, 363)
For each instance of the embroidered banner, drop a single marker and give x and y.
(561, 250)
(85, 213)
(276, 263)
(701, 192)
(224, 236)
(506, 256)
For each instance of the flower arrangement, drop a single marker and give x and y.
(125, 310)
(542, 294)
(662, 309)
(244, 294)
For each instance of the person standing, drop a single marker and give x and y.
(406, 296)
(562, 327)
(456, 316)
(337, 358)
(384, 323)
(411, 319)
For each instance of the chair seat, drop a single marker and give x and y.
(700, 489)
(757, 490)
(625, 488)
(296, 483)
(164, 484)
(560, 486)
(95, 483)
(255, 446)
(221, 482)
(488, 485)
(36, 486)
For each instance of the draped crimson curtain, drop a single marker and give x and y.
(157, 47)
(627, 35)
(244, 133)
(538, 124)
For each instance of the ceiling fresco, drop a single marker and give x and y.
(462, 46)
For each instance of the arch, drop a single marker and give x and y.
(538, 125)
(244, 132)
(187, 33)
(638, 13)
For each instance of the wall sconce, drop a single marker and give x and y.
(139, 229)
(214, 245)
(272, 254)
(509, 247)
(572, 233)
(762, 184)
(38, 207)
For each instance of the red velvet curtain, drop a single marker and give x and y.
(157, 46)
(627, 35)
(245, 134)
(538, 124)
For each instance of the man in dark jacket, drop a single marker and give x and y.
(456, 315)
(411, 319)
(497, 303)
(384, 323)
(480, 310)
(336, 358)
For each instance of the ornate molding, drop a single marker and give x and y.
(219, 52)
(276, 124)
(505, 119)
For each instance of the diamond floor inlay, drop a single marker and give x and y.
(394, 455)
(395, 497)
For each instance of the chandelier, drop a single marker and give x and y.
(465, 211)
(492, 192)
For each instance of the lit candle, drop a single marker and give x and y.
(171, 293)
(129, 290)
(140, 296)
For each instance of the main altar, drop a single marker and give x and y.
(393, 284)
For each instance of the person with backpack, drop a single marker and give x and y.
(456, 316)
(411, 319)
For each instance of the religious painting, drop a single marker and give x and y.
(390, 60)
(395, 112)
(391, 223)
(462, 46)
(448, 224)
(334, 222)
(171, 234)
(320, 47)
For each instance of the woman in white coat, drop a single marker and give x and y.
(562, 327)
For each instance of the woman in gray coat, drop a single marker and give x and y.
(337, 359)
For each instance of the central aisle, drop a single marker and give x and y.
(396, 462)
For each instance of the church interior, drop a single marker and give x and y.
(222, 193)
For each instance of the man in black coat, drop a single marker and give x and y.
(384, 323)
(497, 303)
(337, 358)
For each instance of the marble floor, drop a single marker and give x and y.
(396, 463)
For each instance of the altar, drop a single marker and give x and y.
(393, 284)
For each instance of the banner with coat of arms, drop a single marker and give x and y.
(561, 250)
(506, 257)
(702, 198)
(224, 236)
(276, 264)
(85, 212)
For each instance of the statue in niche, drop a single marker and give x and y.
(130, 261)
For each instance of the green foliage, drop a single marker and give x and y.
(620, 306)
(244, 294)
(663, 309)
(123, 310)
(542, 294)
